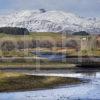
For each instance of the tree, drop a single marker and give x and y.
(83, 33)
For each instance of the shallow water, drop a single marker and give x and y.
(84, 91)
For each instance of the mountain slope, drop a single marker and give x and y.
(49, 21)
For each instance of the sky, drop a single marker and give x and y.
(85, 8)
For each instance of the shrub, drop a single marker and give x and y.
(7, 46)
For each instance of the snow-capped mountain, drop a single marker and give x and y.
(50, 21)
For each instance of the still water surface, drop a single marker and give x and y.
(83, 91)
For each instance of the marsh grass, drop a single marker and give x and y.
(22, 82)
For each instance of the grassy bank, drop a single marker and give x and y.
(22, 82)
(32, 65)
(21, 63)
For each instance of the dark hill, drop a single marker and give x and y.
(14, 30)
(83, 33)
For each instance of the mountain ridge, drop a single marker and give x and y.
(50, 21)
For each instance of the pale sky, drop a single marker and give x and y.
(85, 8)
